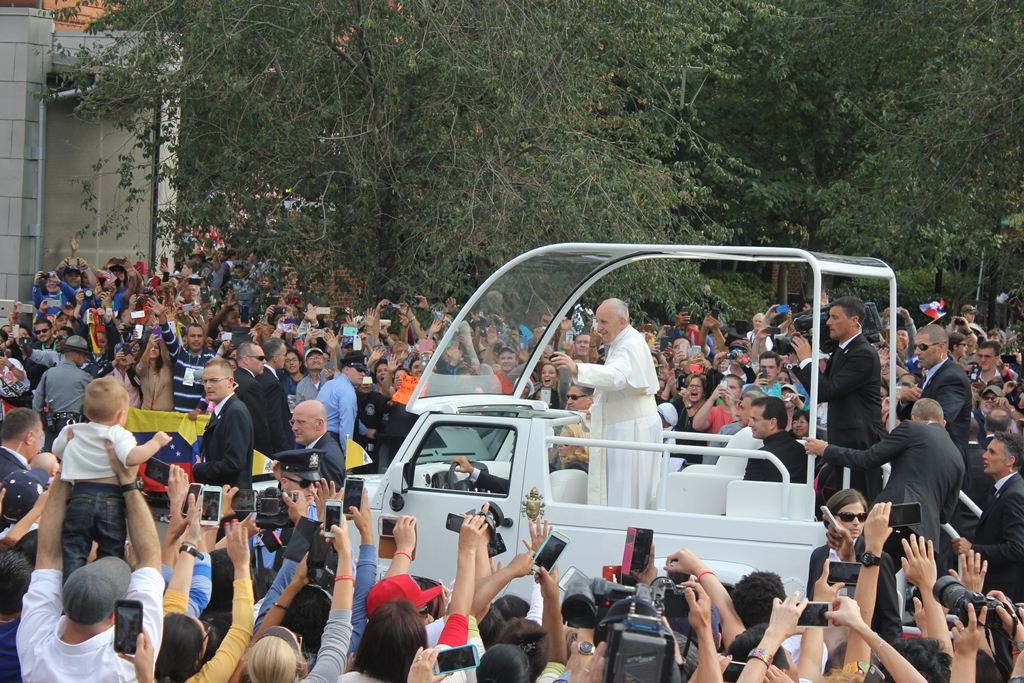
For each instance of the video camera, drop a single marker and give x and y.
(640, 649)
(494, 518)
(871, 328)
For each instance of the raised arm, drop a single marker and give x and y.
(141, 529)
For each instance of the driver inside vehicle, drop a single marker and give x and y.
(484, 481)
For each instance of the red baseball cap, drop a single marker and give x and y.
(401, 587)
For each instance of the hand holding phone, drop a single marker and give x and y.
(127, 625)
(333, 516)
(353, 495)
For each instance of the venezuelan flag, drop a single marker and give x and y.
(186, 439)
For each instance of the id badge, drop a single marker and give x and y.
(190, 377)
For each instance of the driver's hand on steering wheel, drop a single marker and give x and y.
(462, 464)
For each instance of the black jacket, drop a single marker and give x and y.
(1000, 539)
(278, 414)
(226, 451)
(786, 448)
(332, 459)
(248, 390)
(952, 389)
(9, 464)
(851, 385)
(926, 468)
(886, 620)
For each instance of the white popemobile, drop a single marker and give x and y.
(734, 525)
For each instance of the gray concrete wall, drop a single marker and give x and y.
(25, 39)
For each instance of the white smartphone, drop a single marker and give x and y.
(136, 315)
(827, 514)
(210, 505)
(563, 582)
(333, 516)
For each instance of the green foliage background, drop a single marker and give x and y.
(421, 144)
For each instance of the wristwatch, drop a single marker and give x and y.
(869, 559)
(191, 550)
(585, 647)
(134, 486)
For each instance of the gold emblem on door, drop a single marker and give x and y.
(533, 505)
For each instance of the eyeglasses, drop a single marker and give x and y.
(213, 380)
(41, 330)
(574, 397)
(923, 347)
(850, 516)
(257, 357)
(294, 422)
(301, 483)
(989, 397)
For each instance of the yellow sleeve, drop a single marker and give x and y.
(175, 602)
(231, 649)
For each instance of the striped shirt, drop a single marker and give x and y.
(186, 398)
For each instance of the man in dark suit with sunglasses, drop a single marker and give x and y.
(926, 468)
(851, 385)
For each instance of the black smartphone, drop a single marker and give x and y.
(454, 522)
(733, 672)
(905, 514)
(193, 490)
(353, 494)
(814, 615)
(301, 539)
(387, 526)
(158, 471)
(844, 572)
(642, 549)
(457, 659)
(244, 502)
(127, 625)
(551, 550)
(1008, 358)
(318, 548)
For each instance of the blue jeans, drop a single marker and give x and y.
(95, 513)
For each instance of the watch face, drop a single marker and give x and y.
(586, 648)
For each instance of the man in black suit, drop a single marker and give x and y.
(999, 538)
(926, 467)
(309, 423)
(852, 386)
(250, 361)
(20, 440)
(946, 382)
(279, 415)
(225, 456)
(768, 420)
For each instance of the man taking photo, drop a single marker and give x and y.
(851, 385)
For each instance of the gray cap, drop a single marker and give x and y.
(90, 592)
(76, 343)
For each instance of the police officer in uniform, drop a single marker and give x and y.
(371, 411)
(297, 472)
(61, 390)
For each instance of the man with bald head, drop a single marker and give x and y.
(309, 424)
(624, 409)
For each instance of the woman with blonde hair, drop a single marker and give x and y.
(155, 371)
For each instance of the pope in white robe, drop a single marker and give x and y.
(624, 409)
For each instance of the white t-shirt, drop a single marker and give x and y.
(45, 657)
(9, 386)
(84, 457)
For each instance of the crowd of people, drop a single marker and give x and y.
(239, 591)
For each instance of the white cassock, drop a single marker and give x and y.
(624, 409)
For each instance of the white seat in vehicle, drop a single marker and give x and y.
(763, 499)
(702, 488)
(569, 486)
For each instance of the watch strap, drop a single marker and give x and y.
(134, 486)
(192, 550)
